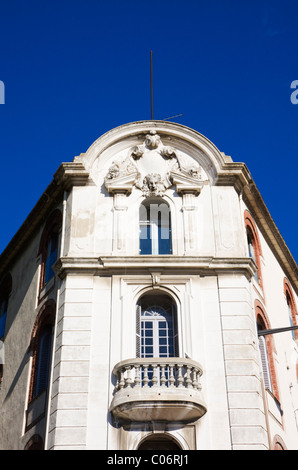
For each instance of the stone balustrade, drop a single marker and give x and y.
(158, 389)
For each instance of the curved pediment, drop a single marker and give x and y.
(152, 156)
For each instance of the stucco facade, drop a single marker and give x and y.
(215, 266)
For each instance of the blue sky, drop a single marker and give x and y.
(74, 69)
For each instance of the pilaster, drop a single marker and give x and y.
(69, 397)
(246, 410)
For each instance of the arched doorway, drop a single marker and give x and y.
(159, 442)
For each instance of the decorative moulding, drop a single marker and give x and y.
(153, 168)
(166, 263)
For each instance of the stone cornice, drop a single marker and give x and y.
(108, 265)
(234, 174)
(71, 174)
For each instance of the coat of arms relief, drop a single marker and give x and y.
(153, 168)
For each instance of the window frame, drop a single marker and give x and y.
(155, 227)
(170, 317)
(45, 319)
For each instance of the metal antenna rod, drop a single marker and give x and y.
(151, 79)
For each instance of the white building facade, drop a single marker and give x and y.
(136, 302)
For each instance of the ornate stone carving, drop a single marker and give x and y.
(168, 152)
(113, 172)
(153, 185)
(153, 168)
(137, 152)
(152, 140)
(195, 172)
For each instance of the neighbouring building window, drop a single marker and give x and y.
(48, 248)
(155, 228)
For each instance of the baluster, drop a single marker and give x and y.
(188, 379)
(137, 376)
(195, 383)
(146, 378)
(172, 377)
(162, 376)
(128, 381)
(154, 377)
(180, 377)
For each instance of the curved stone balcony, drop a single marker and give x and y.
(158, 389)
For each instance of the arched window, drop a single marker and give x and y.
(48, 248)
(291, 306)
(155, 227)
(5, 290)
(41, 345)
(266, 347)
(51, 255)
(159, 442)
(157, 334)
(43, 359)
(254, 245)
(278, 443)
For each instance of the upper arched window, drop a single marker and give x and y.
(155, 228)
(291, 306)
(5, 289)
(48, 248)
(254, 245)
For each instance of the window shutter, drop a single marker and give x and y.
(138, 334)
(265, 362)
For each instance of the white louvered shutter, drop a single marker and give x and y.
(138, 331)
(265, 363)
